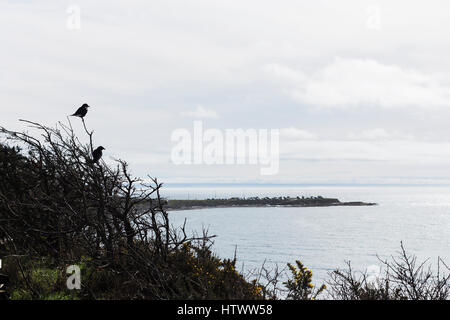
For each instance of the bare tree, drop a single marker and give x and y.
(55, 201)
(403, 278)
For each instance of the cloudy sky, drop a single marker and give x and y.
(360, 90)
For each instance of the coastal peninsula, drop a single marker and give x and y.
(261, 202)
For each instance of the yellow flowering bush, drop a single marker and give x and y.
(300, 286)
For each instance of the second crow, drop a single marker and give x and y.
(97, 154)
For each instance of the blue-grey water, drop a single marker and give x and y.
(323, 238)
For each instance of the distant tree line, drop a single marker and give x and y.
(318, 201)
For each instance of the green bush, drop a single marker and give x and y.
(37, 279)
(300, 286)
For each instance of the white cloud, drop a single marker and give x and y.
(201, 113)
(349, 83)
(284, 72)
(138, 62)
(380, 134)
(292, 133)
(334, 151)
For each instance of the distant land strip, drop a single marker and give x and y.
(261, 202)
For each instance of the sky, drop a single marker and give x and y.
(358, 90)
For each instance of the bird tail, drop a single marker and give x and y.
(91, 161)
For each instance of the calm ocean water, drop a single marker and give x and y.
(323, 238)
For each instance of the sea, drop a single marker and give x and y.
(322, 238)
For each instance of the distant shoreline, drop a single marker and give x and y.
(178, 205)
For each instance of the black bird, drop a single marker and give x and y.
(81, 112)
(97, 154)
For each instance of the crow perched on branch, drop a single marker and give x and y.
(82, 111)
(97, 154)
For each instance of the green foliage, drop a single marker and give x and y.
(37, 279)
(198, 275)
(300, 286)
(204, 276)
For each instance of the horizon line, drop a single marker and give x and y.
(269, 184)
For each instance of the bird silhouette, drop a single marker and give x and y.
(97, 154)
(82, 111)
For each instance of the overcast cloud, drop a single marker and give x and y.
(360, 90)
